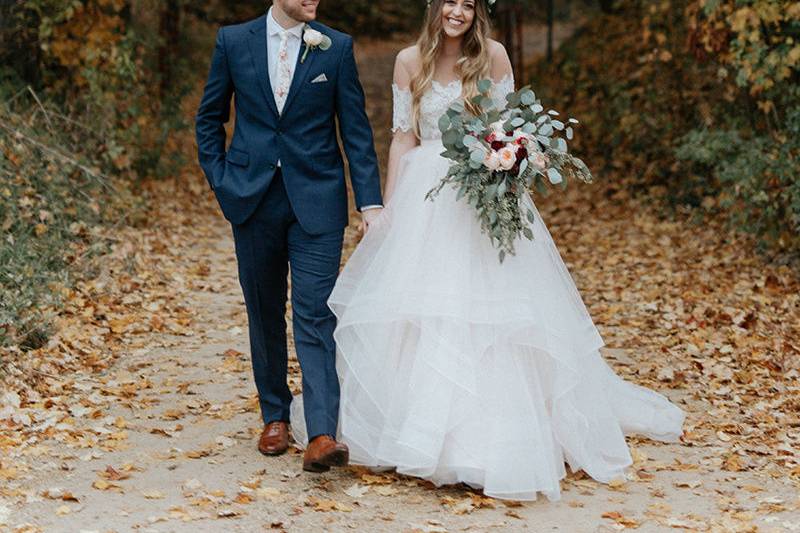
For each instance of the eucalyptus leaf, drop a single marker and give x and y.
(484, 86)
(570, 133)
(554, 176)
(561, 145)
(501, 189)
(444, 123)
(527, 98)
(469, 140)
(451, 138)
(528, 233)
(477, 156)
(490, 192)
(541, 188)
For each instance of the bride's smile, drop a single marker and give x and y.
(457, 17)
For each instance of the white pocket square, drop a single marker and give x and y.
(320, 79)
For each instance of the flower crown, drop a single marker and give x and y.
(490, 3)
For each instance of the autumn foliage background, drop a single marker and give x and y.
(693, 104)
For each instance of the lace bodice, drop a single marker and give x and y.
(434, 104)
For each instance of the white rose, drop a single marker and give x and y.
(538, 160)
(508, 157)
(497, 127)
(492, 161)
(312, 37)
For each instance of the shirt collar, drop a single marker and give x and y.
(273, 28)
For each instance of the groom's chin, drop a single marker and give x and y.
(309, 11)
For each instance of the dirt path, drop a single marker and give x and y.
(164, 440)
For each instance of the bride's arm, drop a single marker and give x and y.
(501, 72)
(404, 138)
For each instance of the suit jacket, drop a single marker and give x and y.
(303, 137)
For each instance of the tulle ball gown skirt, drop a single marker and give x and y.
(456, 368)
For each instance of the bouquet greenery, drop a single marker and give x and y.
(499, 154)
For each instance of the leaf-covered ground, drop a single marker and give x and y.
(141, 413)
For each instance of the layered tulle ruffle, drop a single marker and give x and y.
(456, 368)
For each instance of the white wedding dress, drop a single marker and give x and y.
(456, 368)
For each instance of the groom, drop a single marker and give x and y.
(281, 185)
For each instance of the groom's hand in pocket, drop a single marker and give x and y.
(368, 216)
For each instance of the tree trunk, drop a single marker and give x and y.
(606, 6)
(511, 34)
(170, 37)
(550, 22)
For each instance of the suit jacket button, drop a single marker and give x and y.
(272, 166)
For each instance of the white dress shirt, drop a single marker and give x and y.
(274, 31)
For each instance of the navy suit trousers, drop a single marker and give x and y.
(268, 244)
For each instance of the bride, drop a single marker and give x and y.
(453, 367)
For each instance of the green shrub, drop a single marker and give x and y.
(756, 175)
(674, 101)
(54, 201)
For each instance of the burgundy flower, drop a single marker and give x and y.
(496, 145)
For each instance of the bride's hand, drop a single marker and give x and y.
(368, 217)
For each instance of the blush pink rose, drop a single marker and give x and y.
(508, 157)
(492, 161)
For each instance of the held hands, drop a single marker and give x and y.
(368, 216)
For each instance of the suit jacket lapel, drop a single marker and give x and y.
(301, 71)
(258, 52)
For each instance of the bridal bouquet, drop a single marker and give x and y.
(497, 155)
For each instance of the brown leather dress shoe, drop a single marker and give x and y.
(323, 452)
(274, 439)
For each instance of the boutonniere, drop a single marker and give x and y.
(314, 40)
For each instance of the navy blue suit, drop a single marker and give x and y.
(292, 215)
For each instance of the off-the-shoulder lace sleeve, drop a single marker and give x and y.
(402, 109)
(502, 88)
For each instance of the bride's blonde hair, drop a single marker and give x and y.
(473, 65)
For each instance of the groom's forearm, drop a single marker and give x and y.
(356, 133)
(213, 113)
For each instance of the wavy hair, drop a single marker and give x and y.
(473, 65)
